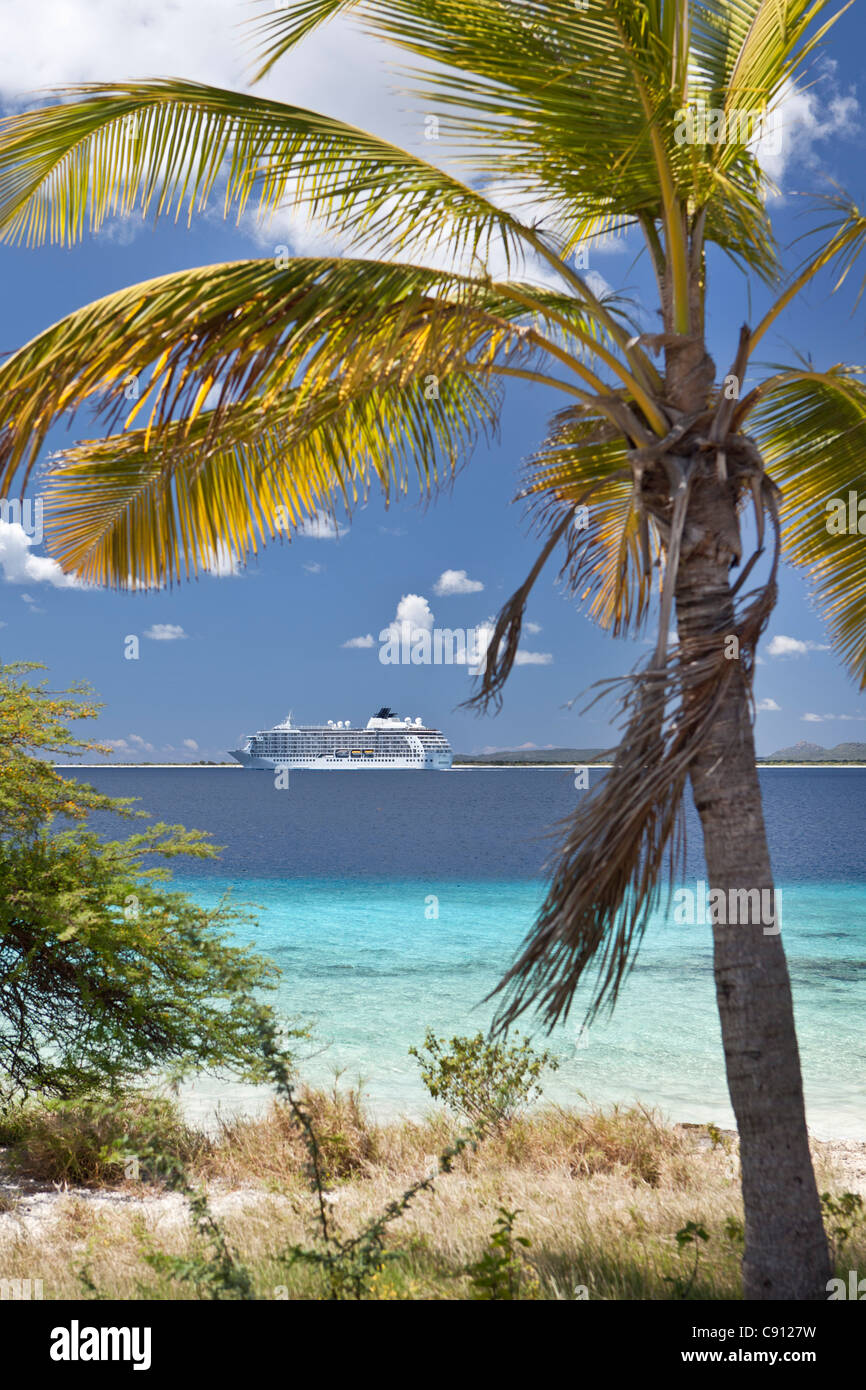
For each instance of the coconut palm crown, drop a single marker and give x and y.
(273, 390)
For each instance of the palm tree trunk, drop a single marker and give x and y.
(786, 1253)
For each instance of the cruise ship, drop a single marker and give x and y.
(386, 741)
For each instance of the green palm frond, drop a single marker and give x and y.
(577, 109)
(254, 327)
(283, 30)
(160, 145)
(611, 548)
(128, 511)
(811, 428)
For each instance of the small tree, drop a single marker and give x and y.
(105, 973)
(488, 1082)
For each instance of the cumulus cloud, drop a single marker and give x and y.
(767, 706)
(830, 718)
(533, 658)
(792, 646)
(21, 566)
(533, 628)
(222, 564)
(414, 610)
(321, 528)
(414, 623)
(164, 632)
(804, 119)
(314, 568)
(456, 582)
(191, 744)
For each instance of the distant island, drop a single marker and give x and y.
(517, 757)
(803, 752)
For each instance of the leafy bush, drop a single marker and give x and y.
(500, 1274)
(97, 1142)
(842, 1215)
(487, 1082)
(105, 974)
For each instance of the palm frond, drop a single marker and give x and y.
(811, 428)
(253, 327)
(108, 148)
(609, 873)
(613, 547)
(136, 513)
(573, 110)
(286, 26)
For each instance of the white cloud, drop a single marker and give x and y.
(792, 646)
(321, 528)
(414, 610)
(191, 744)
(805, 118)
(164, 632)
(456, 582)
(314, 568)
(767, 706)
(222, 564)
(141, 743)
(52, 42)
(21, 566)
(830, 718)
(366, 641)
(533, 628)
(119, 743)
(533, 658)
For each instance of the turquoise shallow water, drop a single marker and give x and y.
(371, 971)
(342, 869)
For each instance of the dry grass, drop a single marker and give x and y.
(601, 1196)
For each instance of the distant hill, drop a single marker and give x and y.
(514, 757)
(805, 752)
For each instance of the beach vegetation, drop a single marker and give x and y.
(108, 977)
(486, 1080)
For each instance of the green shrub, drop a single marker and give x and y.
(98, 1142)
(106, 975)
(487, 1082)
(500, 1274)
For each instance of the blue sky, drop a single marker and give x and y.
(230, 653)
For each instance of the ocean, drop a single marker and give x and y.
(392, 902)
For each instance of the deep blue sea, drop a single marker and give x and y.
(394, 901)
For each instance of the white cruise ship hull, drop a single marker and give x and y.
(434, 762)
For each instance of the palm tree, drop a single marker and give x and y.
(277, 388)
